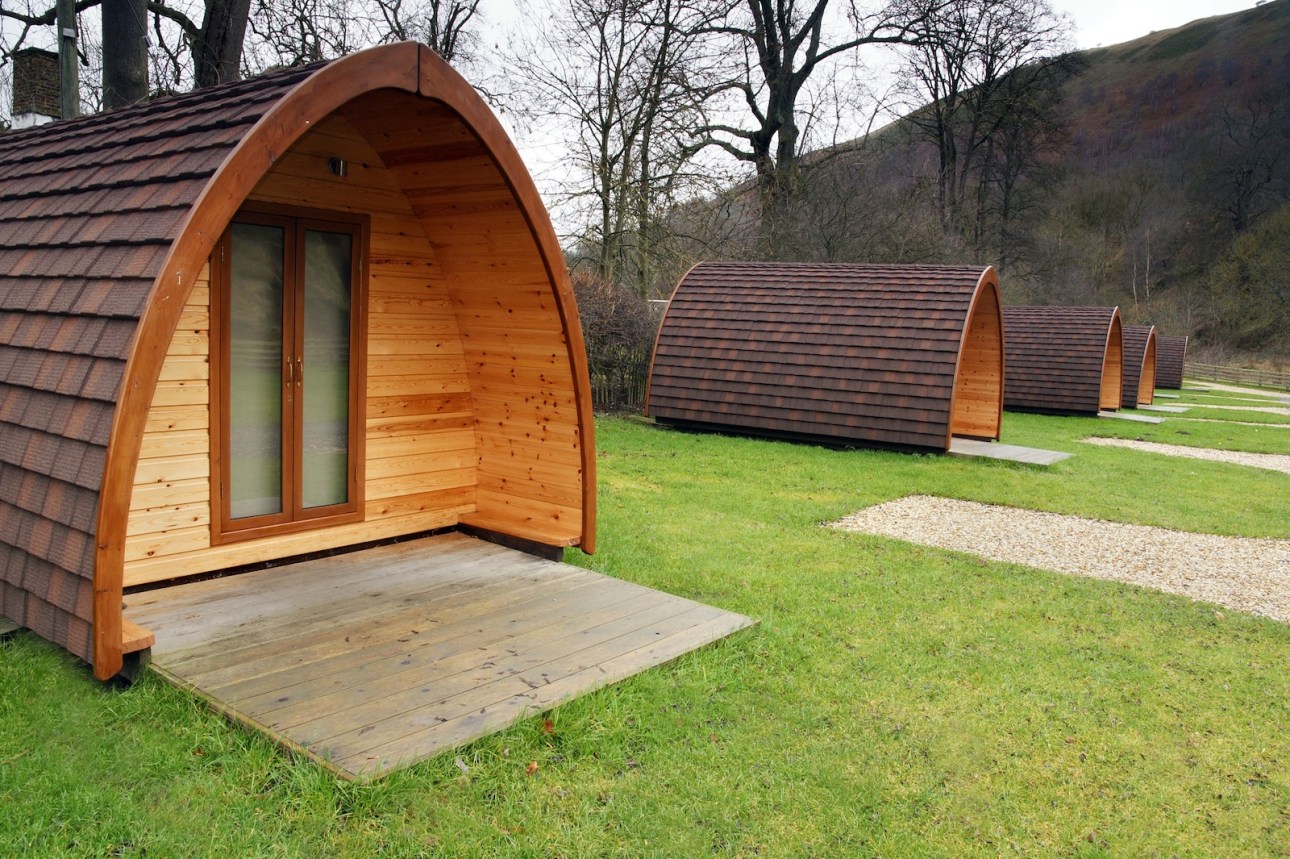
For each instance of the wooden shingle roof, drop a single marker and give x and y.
(1171, 355)
(106, 224)
(89, 209)
(836, 353)
(1056, 357)
(1139, 377)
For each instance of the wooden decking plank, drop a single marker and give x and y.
(310, 583)
(497, 679)
(297, 580)
(324, 657)
(352, 648)
(451, 664)
(313, 641)
(529, 694)
(400, 655)
(477, 688)
(226, 636)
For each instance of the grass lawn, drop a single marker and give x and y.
(894, 701)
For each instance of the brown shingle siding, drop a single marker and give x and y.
(1055, 357)
(1171, 354)
(88, 211)
(1135, 338)
(848, 354)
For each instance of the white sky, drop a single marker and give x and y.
(1108, 22)
(1097, 22)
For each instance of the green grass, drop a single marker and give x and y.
(894, 700)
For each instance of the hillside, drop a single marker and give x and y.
(1164, 187)
(1159, 96)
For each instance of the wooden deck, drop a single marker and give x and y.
(375, 660)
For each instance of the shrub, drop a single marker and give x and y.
(618, 327)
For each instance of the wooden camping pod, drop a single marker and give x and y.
(469, 403)
(1171, 356)
(886, 355)
(1063, 360)
(1139, 378)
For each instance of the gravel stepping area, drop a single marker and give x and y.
(1238, 423)
(1271, 410)
(1270, 461)
(1240, 573)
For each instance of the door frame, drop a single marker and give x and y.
(224, 529)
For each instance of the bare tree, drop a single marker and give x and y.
(615, 74)
(444, 25)
(125, 29)
(778, 46)
(1249, 176)
(987, 74)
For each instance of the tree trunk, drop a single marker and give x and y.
(69, 88)
(217, 55)
(125, 52)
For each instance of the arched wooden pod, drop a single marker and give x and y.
(1139, 378)
(472, 398)
(885, 355)
(1171, 356)
(1063, 360)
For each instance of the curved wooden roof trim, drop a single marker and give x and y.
(440, 81)
(405, 66)
(989, 281)
(1139, 365)
(1147, 379)
(1114, 340)
(662, 323)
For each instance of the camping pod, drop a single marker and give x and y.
(883, 355)
(1063, 360)
(311, 310)
(1138, 385)
(1171, 356)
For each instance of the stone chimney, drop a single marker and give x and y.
(35, 87)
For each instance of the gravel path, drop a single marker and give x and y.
(1271, 461)
(1238, 572)
(1271, 410)
(1238, 423)
(1233, 389)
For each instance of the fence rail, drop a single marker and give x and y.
(618, 382)
(1240, 375)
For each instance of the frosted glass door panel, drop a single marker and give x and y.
(255, 371)
(325, 438)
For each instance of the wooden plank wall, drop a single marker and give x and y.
(528, 444)
(1147, 380)
(421, 442)
(1113, 368)
(978, 394)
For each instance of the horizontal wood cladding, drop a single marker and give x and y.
(848, 354)
(1171, 355)
(420, 449)
(517, 358)
(1054, 358)
(1139, 375)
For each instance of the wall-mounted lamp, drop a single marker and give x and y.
(338, 167)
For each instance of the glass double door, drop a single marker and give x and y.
(289, 374)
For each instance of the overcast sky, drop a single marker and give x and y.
(1108, 22)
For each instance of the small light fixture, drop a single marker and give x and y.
(338, 166)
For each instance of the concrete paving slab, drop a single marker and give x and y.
(1007, 452)
(1120, 416)
(1175, 410)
